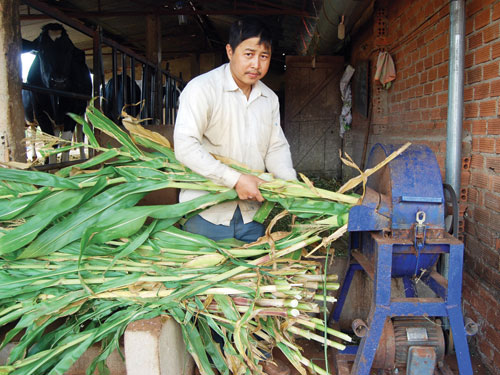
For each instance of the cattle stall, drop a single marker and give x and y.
(134, 82)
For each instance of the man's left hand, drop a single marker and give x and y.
(247, 188)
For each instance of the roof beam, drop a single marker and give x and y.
(168, 12)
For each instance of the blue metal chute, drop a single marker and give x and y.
(398, 231)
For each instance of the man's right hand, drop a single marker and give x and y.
(247, 188)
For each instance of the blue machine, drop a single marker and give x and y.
(399, 232)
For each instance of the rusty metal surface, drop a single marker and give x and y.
(435, 338)
(386, 351)
(365, 263)
(421, 361)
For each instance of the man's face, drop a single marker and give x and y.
(249, 62)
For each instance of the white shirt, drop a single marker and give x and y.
(216, 117)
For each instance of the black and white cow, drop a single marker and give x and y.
(58, 65)
(112, 105)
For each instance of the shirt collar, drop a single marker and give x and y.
(230, 84)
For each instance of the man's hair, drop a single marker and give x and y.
(246, 28)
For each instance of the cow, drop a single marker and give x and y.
(112, 106)
(58, 65)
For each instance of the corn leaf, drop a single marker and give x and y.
(36, 178)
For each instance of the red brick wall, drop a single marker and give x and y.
(482, 218)
(415, 109)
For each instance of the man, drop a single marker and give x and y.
(230, 112)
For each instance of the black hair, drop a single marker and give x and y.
(249, 27)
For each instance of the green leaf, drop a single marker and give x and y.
(96, 160)
(86, 129)
(99, 207)
(12, 208)
(37, 178)
(264, 211)
(100, 121)
(24, 234)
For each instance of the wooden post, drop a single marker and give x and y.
(153, 54)
(11, 107)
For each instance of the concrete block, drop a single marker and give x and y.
(156, 347)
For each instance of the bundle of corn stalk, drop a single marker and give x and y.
(76, 249)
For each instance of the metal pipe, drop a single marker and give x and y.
(453, 165)
(455, 94)
(45, 90)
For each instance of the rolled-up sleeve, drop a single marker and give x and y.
(195, 105)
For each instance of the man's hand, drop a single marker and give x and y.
(247, 187)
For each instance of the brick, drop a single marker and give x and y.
(479, 180)
(475, 144)
(496, 361)
(428, 89)
(469, 93)
(472, 7)
(438, 58)
(481, 91)
(487, 241)
(497, 146)
(490, 70)
(485, 348)
(492, 201)
(491, 33)
(446, 53)
(493, 315)
(468, 61)
(465, 178)
(493, 163)
(469, 25)
(474, 75)
(422, 78)
(473, 195)
(482, 19)
(482, 55)
(491, 276)
(432, 74)
(479, 127)
(471, 109)
(420, 65)
(495, 181)
(419, 91)
(428, 62)
(481, 215)
(487, 145)
(477, 161)
(442, 99)
(485, 294)
(495, 88)
(441, 42)
(494, 126)
(495, 50)
(475, 40)
(439, 85)
(488, 108)
(467, 126)
(495, 14)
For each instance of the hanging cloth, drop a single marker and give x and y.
(345, 93)
(386, 72)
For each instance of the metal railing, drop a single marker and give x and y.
(159, 91)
